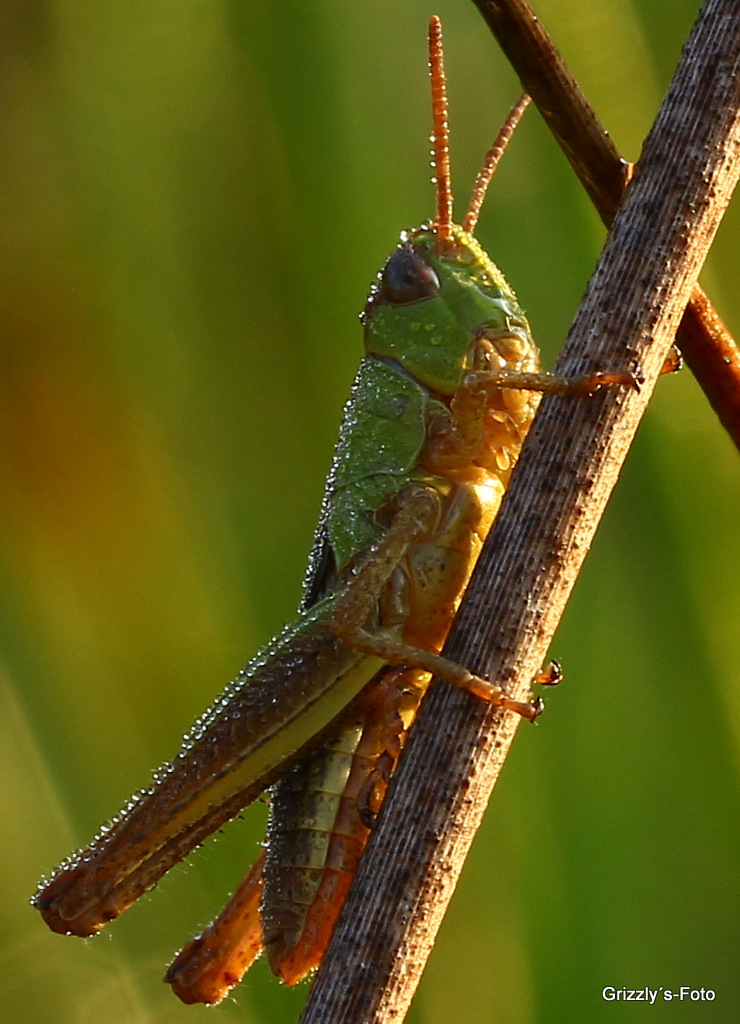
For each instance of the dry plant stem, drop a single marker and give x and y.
(570, 463)
(706, 344)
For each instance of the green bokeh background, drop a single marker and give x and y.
(194, 198)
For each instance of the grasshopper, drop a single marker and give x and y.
(440, 407)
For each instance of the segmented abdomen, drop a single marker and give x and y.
(320, 821)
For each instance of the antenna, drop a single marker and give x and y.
(490, 163)
(441, 131)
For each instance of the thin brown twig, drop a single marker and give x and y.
(570, 463)
(705, 342)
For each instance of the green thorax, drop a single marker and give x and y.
(434, 299)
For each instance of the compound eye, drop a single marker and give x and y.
(407, 277)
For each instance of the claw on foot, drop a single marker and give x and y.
(552, 675)
(673, 362)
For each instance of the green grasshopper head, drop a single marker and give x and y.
(439, 293)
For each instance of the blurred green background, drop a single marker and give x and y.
(194, 198)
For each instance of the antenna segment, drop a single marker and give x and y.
(490, 163)
(441, 131)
